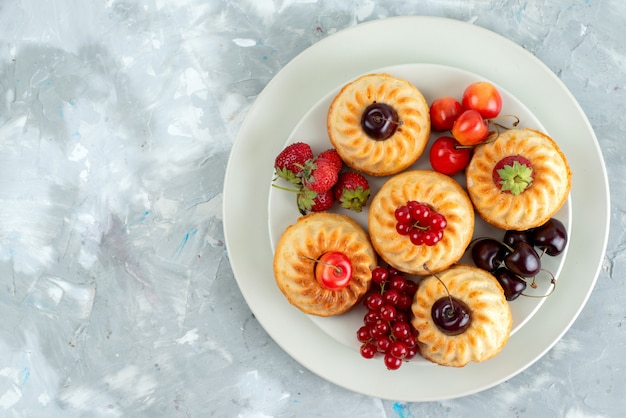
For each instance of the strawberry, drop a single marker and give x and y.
(320, 175)
(290, 162)
(310, 201)
(513, 174)
(352, 190)
(332, 155)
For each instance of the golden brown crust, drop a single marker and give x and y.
(491, 318)
(441, 193)
(311, 236)
(356, 148)
(552, 180)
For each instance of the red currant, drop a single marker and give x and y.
(398, 283)
(394, 272)
(411, 352)
(403, 228)
(398, 349)
(402, 214)
(411, 341)
(416, 236)
(363, 334)
(392, 363)
(411, 288)
(371, 317)
(380, 329)
(421, 214)
(374, 301)
(391, 296)
(383, 344)
(438, 222)
(404, 301)
(368, 350)
(431, 238)
(401, 315)
(380, 275)
(401, 330)
(387, 313)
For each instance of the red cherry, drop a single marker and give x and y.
(333, 270)
(483, 97)
(447, 156)
(470, 128)
(443, 113)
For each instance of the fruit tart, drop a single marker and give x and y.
(323, 263)
(421, 217)
(460, 315)
(379, 124)
(518, 181)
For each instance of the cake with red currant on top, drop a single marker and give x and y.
(519, 181)
(379, 124)
(323, 263)
(421, 217)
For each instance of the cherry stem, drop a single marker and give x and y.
(505, 245)
(450, 314)
(379, 119)
(514, 124)
(552, 288)
(337, 268)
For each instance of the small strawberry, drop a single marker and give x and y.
(320, 175)
(513, 174)
(352, 191)
(332, 155)
(290, 162)
(323, 201)
(310, 201)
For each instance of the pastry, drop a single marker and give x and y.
(379, 124)
(306, 241)
(442, 195)
(477, 333)
(518, 181)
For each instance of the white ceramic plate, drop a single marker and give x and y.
(301, 86)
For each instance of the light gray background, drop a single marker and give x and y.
(116, 121)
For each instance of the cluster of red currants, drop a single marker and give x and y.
(387, 328)
(468, 121)
(422, 224)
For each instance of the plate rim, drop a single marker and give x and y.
(233, 196)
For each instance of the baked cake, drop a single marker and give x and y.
(488, 324)
(306, 241)
(441, 194)
(379, 124)
(518, 181)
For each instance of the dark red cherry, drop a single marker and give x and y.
(379, 121)
(551, 237)
(512, 285)
(487, 253)
(512, 238)
(524, 260)
(452, 316)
